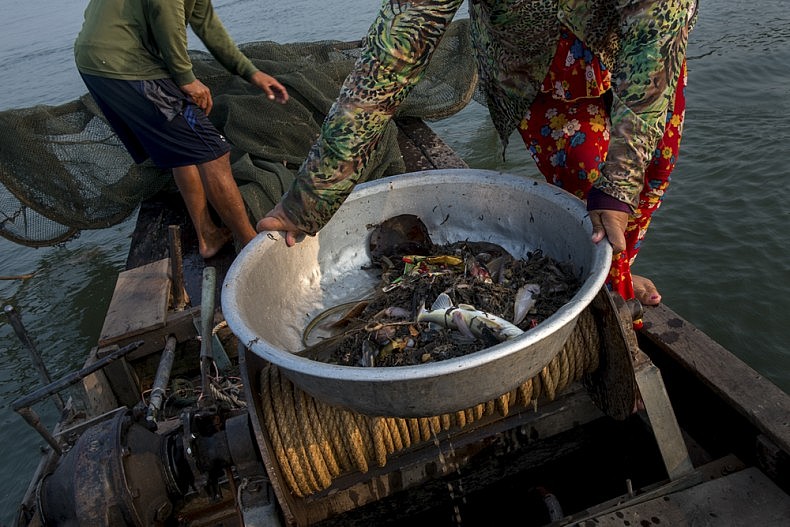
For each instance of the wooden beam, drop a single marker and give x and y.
(434, 152)
(662, 420)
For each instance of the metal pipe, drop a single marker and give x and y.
(73, 377)
(19, 329)
(161, 380)
(206, 319)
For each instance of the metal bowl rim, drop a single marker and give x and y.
(289, 361)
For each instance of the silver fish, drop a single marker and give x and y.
(465, 318)
(525, 301)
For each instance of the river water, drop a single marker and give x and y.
(719, 249)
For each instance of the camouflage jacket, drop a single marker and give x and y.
(643, 43)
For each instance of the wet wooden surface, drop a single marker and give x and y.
(139, 303)
(760, 401)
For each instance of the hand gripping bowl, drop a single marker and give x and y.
(272, 292)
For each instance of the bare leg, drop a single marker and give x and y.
(210, 237)
(224, 196)
(645, 291)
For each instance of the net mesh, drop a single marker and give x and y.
(63, 170)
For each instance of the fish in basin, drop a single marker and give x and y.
(468, 320)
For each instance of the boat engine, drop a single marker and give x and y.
(122, 473)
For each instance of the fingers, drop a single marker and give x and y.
(270, 86)
(610, 224)
(276, 220)
(206, 103)
(597, 224)
(615, 223)
(200, 95)
(291, 238)
(275, 91)
(282, 95)
(269, 223)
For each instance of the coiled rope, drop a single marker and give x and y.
(315, 443)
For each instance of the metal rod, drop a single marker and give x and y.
(73, 377)
(176, 267)
(32, 418)
(19, 329)
(161, 380)
(206, 319)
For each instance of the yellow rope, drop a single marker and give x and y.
(314, 443)
(334, 421)
(312, 448)
(460, 418)
(355, 445)
(404, 430)
(319, 432)
(294, 449)
(273, 430)
(397, 441)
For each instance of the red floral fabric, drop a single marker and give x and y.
(567, 128)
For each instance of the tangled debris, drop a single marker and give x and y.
(391, 328)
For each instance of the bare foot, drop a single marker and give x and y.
(645, 291)
(212, 244)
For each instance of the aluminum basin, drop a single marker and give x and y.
(272, 292)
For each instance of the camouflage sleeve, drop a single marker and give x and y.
(653, 48)
(397, 49)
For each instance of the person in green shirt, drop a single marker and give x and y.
(134, 60)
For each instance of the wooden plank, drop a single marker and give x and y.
(662, 420)
(122, 378)
(149, 242)
(434, 150)
(251, 366)
(760, 401)
(139, 302)
(412, 155)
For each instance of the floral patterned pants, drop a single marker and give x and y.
(569, 140)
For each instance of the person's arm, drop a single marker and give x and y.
(210, 30)
(168, 25)
(654, 38)
(168, 19)
(397, 49)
